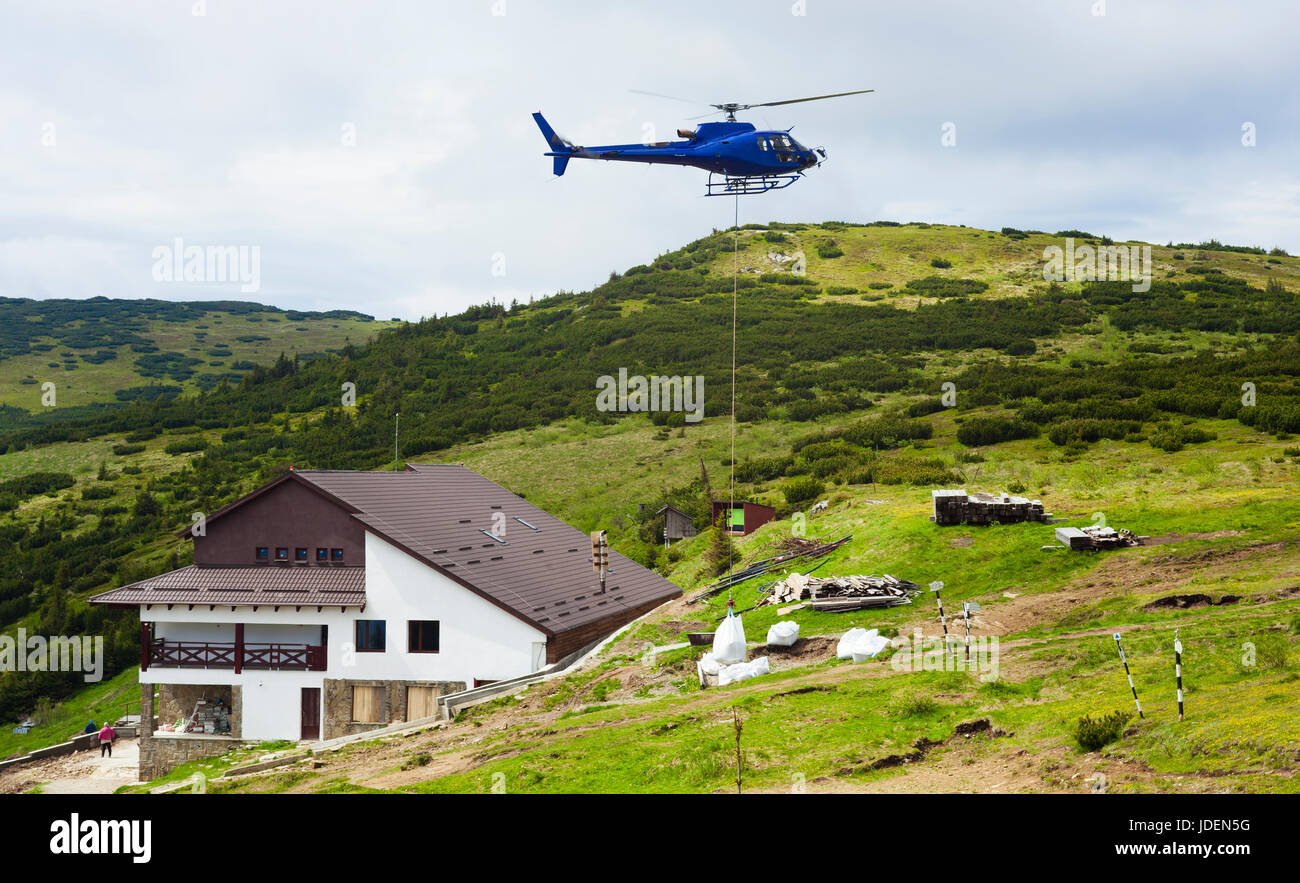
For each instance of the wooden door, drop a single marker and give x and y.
(421, 702)
(310, 713)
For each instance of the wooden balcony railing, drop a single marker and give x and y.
(236, 656)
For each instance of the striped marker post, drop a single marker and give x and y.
(1178, 671)
(937, 587)
(966, 611)
(1124, 659)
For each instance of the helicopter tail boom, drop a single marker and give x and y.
(560, 149)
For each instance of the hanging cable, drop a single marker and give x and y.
(735, 287)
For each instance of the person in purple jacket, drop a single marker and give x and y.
(106, 737)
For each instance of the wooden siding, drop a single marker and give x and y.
(563, 644)
(290, 516)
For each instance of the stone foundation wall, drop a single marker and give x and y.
(160, 753)
(163, 752)
(336, 702)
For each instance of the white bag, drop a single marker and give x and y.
(861, 644)
(729, 641)
(842, 649)
(709, 665)
(783, 634)
(743, 671)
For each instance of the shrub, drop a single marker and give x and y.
(761, 469)
(1171, 437)
(914, 706)
(1092, 735)
(940, 286)
(186, 445)
(801, 489)
(924, 407)
(36, 483)
(886, 431)
(978, 431)
(127, 450)
(1077, 434)
(829, 249)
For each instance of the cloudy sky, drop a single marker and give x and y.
(382, 156)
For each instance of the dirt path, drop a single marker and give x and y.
(84, 772)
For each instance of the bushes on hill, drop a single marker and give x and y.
(1087, 430)
(186, 445)
(36, 483)
(942, 286)
(1093, 734)
(1171, 437)
(979, 431)
(801, 489)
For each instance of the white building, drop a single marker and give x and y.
(329, 603)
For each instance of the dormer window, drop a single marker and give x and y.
(322, 556)
(300, 555)
(336, 554)
(281, 554)
(263, 554)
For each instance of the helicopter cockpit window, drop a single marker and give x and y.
(781, 142)
(762, 143)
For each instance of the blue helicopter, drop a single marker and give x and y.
(748, 161)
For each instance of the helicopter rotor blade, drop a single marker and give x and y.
(798, 100)
(661, 95)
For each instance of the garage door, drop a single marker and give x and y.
(421, 702)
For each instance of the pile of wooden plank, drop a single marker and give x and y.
(804, 552)
(840, 593)
(1096, 537)
(957, 507)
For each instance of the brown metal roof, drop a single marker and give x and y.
(448, 517)
(267, 584)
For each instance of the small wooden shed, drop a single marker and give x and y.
(677, 524)
(744, 518)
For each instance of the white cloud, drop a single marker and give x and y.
(227, 129)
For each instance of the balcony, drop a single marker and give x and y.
(239, 655)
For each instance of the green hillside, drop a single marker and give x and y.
(101, 352)
(1092, 396)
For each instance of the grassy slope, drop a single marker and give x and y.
(1058, 660)
(1234, 519)
(1010, 267)
(105, 701)
(95, 383)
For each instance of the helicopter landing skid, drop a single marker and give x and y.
(747, 185)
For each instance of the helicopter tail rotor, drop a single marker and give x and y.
(561, 148)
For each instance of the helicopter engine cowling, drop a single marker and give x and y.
(688, 134)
